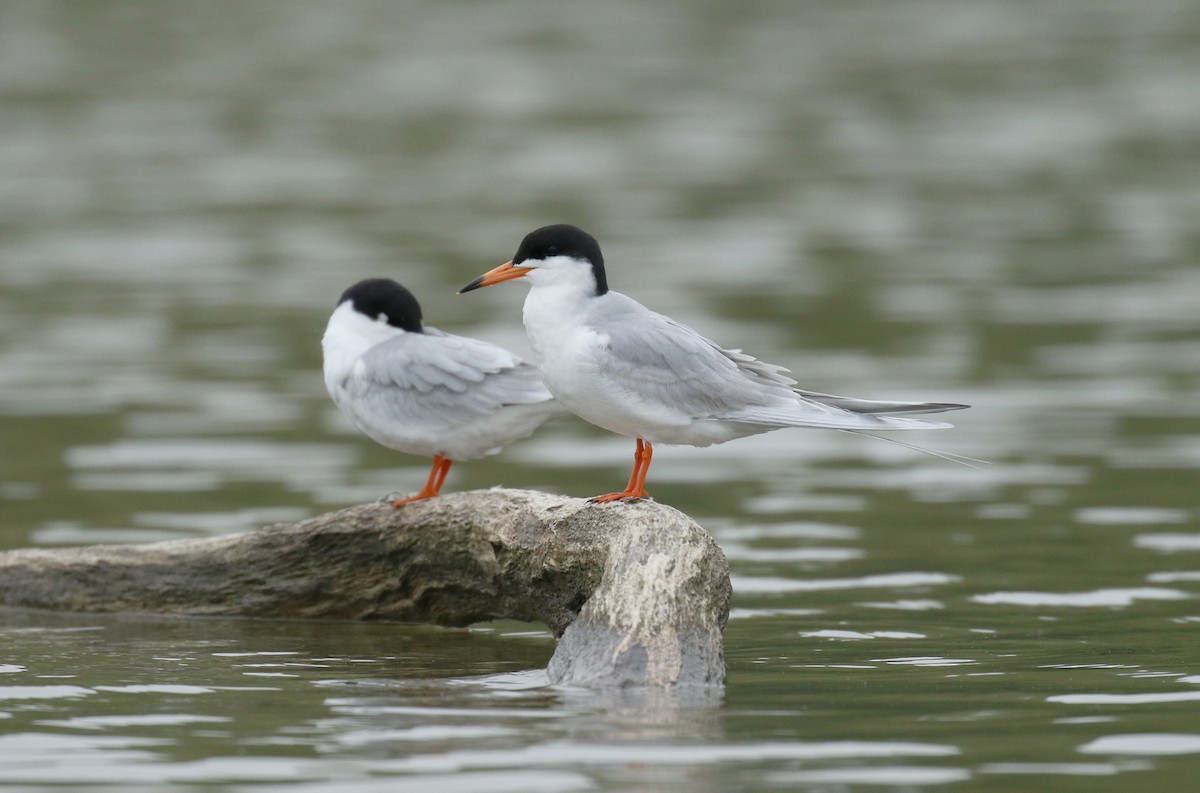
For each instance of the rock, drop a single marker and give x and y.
(636, 591)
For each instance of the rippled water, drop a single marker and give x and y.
(990, 202)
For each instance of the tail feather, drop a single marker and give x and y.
(814, 409)
(814, 414)
(875, 406)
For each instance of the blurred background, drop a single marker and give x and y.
(993, 202)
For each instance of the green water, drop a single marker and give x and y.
(993, 203)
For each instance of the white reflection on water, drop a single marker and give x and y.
(49, 756)
(1106, 598)
(1171, 301)
(204, 463)
(1130, 516)
(744, 614)
(1064, 769)
(803, 502)
(764, 584)
(200, 255)
(944, 482)
(133, 720)
(20, 491)
(112, 764)
(220, 522)
(44, 692)
(371, 485)
(1156, 698)
(540, 781)
(809, 530)
(149, 481)
(1001, 511)
(570, 753)
(904, 605)
(353, 706)
(1177, 451)
(886, 776)
(737, 552)
(844, 635)
(435, 733)
(1166, 577)
(70, 533)
(215, 407)
(178, 688)
(1144, 744)
(925, 660)
(241, 456)
(1168, 542)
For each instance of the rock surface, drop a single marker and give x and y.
(636, 591)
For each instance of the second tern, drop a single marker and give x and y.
(416, 389)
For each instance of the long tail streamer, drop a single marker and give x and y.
(961, 459)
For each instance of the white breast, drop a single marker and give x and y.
(565, 346)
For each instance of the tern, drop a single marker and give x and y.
(418, 390)
(632, 371)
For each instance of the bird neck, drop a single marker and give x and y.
(553, 309)
(347, 338)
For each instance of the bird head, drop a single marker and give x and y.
(383, 300)
(552, 254)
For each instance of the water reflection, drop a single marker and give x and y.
(755, 585)
(990, 203)
(1144, 744)
(1106, 598)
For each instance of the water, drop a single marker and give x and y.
(991, 202)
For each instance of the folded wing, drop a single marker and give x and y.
(660, 361)
(436, 379)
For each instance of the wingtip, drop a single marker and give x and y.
(945, 406)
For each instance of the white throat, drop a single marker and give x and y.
(347, 338)
(563, 271)
(560, 290)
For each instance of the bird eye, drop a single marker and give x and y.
(552, 250)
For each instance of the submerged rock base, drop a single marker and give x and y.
(636, 591)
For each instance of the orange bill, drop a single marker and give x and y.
(505, 272)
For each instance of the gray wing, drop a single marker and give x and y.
(439, 379)
(660, 360)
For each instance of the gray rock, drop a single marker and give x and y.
(636, 591)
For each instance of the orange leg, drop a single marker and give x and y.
(637, 480)
(437, 475)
